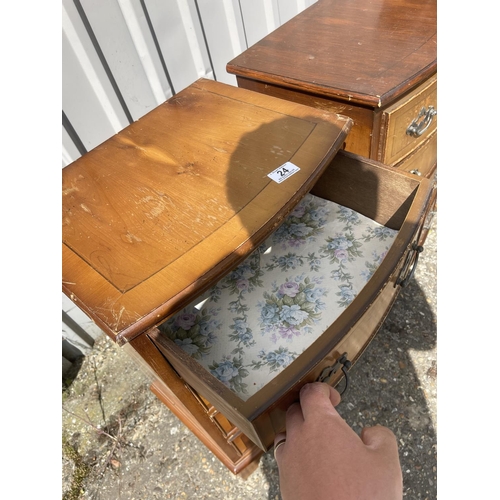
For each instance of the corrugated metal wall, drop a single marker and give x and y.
(122, 58)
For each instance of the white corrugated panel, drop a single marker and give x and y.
(129, 51)
(225, 36)
(69, 151)
(180, 41)
(80, 317)
(88, 98)
(289, 9)
(122, 58)
(260, 18)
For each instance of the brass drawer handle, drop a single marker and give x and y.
(416, 127)
(327, 374)
(415, 171)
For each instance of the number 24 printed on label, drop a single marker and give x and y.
(284, 172)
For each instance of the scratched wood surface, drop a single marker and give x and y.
(154, 215)
(364, 52)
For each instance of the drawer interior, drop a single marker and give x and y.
(370, 188)
(260, 317)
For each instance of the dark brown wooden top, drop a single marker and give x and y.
(365, 51)
(157, 213)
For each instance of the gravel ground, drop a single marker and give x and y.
(120, 442)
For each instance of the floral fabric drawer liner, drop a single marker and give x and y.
(256, 320)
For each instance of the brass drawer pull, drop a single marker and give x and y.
(417, 249)
(327, 374)
(416, 127)
(415, 171)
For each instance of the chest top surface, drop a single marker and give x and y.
(365, 51)
(155, 214)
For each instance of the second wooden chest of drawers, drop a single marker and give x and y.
(374, 61)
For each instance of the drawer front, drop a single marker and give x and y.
(205, 385)
(422, 161)
(408, 123)
(429, 216)
(358, 140)
(272, 421)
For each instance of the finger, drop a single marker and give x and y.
(294, 420)
(294, 417)
(279, 444)
(279, 437)
(335, 396)
(317, 398)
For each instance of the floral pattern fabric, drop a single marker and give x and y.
(262, 315)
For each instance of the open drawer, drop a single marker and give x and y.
(301, 314)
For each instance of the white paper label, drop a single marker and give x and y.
(282, 173)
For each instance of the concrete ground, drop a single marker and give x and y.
(120, 442)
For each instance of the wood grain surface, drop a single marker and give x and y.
(362, 52)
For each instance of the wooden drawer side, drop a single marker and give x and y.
(368, 187)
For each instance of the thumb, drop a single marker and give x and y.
(383, 443)
(379, 438)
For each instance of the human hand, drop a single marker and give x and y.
(323, 458)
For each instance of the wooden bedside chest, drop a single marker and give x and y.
(206, 239)
(372, 60)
